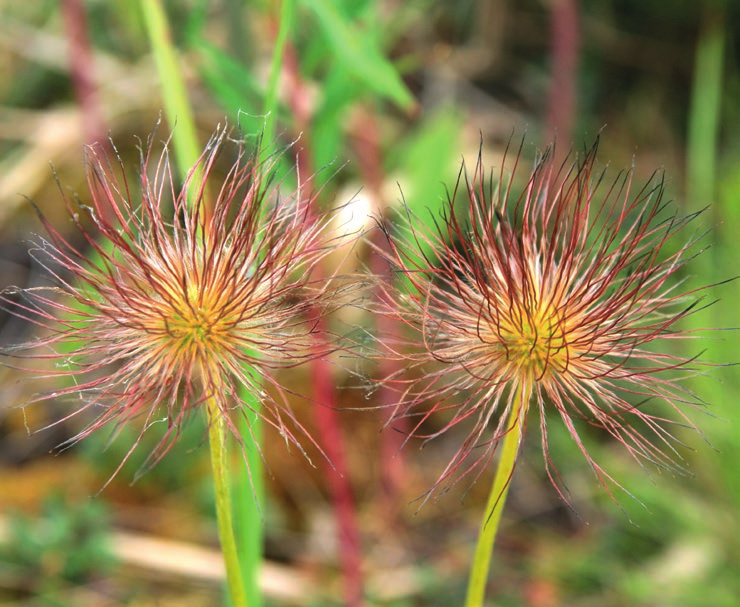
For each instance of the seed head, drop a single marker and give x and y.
(174, 301)
(568, 294)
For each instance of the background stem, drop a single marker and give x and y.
(174, 93)
(249, 488)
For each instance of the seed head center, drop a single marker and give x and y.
(199, 324)
(537, 343)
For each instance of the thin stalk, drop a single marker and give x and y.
(337, 475)
(705, 110)
(564, 48)
(496, 499)
(249, 485)
(217, 437)
(178, 110)
(326, 411)
(242, 573)
(82, 70)
(248, 495)
(287, 10)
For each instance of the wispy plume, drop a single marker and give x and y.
(560, 302)
(179, 296)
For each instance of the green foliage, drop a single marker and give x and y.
(349, 58)
(67, 544)
(359, 54)
(232, 84)
(428, 160)
(181, 470)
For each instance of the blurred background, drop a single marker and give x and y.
(390, 96)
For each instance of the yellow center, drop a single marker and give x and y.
(535, 345)
(194, 326)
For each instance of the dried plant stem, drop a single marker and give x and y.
(217, 437)
(496, 500)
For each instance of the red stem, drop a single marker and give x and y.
(366, 141)
(324, 387)
(565, 39)
(332, 441)
(82, 69)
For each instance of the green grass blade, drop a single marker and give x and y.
(361, 57)
(174, 93)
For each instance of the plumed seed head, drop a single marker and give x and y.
(568, 291)
(183, 295)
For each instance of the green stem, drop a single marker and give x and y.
(248, 496)
(217, 437)
(174, 93)
(249, 487)
(705, 109)
(496, 500)
(242, 578)
(287, 9)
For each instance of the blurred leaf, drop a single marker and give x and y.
(361, 57)
(427, 162)
(195, 21)
(233, 85)
(68, 543)
(327, 137)
(704, 117)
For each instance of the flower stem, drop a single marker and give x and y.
(249, 486)
(496, 500)
(217, 436)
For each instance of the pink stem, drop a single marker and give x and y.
(82, 70)
(327, 409)
(393, 468)
(563, 87)
(332, 441)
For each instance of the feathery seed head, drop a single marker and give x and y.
(566, 296)
(178, 301)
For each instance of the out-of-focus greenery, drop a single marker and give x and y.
(426, 81)
(65, 544)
